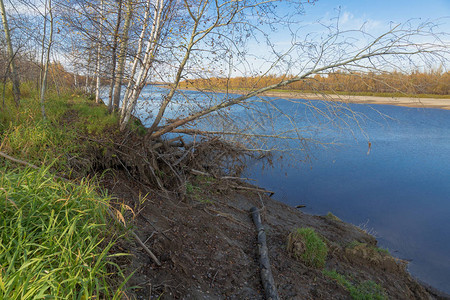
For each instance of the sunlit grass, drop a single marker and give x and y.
(52, 239)
(27, 136)
(54, 242)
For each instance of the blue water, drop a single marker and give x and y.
(399, 191)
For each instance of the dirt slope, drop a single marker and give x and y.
(207, 246)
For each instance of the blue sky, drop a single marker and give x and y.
(382, 10)
(374, 17)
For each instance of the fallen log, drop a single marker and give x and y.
(253, 189)
(264, 263)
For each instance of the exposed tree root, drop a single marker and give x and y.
(167, 165)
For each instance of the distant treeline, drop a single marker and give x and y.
(433, 83)
(30, 70)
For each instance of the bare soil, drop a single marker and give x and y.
(207, 246)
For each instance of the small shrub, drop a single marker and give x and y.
(307, 245)
(196, 193)
(383, 250)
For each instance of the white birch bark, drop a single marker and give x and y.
(122, 56)
(114, 50)
(152, 44)
(47, 62)
(15, 79)
(131, 80)
(99, 55)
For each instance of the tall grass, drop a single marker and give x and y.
(52, 239)
(25, 135)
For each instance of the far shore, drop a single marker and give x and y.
(399, 101)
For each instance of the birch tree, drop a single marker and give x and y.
(218, 32)
(122, 55)
(182, 40)
(136, 85)
(99, 54)
(10, 52)
(114, 56)
(47, 51)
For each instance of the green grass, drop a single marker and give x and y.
(366, 290)
(54, 242)
(314, 252)
(25, 135)
(53, 239)
(93, 119)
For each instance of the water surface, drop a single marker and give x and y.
(400, 191)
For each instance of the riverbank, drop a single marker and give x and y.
(398, 101)
(200, 231)
(207, 246)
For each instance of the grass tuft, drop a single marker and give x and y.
(307, 245)
(333, 217)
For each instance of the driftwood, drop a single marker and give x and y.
(197, 172)
(140, 242)
(266, 272)
(253, 189)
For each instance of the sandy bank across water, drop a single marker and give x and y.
(398, 101)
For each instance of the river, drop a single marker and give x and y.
(398, 188)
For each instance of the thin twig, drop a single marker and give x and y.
(22, 162)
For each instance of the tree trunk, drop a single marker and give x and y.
(122, 56)
(131, 81)
(99, 53)
(150, 52)
(14, 77)
(264, 262)
(113, 54)
(47, 61)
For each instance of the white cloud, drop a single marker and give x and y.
(348, 21)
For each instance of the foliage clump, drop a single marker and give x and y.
(305, 244)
